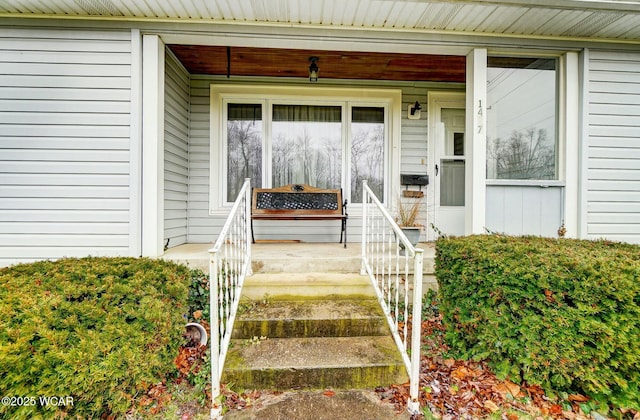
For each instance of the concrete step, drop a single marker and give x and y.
(329, 260)
(314, 363)
(295, 286)
(336, 316)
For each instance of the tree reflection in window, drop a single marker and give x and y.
(521, 118)
(307, 145)
(367, 151)
(244, 147)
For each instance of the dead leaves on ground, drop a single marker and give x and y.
(457, 389)
(189, 358)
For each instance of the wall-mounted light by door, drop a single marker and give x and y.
(413, 112)
(313, 69)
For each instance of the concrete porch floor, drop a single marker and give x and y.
(298, 257)
(291, 257)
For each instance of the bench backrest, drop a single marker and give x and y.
(296, 198)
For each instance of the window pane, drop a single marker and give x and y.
(367, 151)
(521, 118)
(307, 145)
(452, 182)
(244, 147)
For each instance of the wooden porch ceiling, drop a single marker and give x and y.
(274, 62)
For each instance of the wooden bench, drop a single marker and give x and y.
(299, 202)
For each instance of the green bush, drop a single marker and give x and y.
(564, 314)
(101, 331)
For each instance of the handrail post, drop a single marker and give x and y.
(365, 199)
(229, 264)
(216, 407)
(247, 215)
(413, 405)
(377, 263)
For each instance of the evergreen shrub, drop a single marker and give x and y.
(101, 331)
(564, 314)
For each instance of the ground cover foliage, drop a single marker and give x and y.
(563, 315)
(103, 331)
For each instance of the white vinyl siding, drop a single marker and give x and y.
(176, 151)
(613, 155)
(202, 227)
(64, 143)
(413, 151)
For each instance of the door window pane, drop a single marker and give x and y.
(452, 182)
(307, 145)
(367, 151)
(521, 118)
(244, 147)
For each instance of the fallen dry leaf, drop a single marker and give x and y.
(578, 398)
(491, 406)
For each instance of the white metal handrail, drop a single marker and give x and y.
(229, 264)
(392, 270)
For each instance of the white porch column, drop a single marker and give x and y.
(152, 145)
(476, 142)
(570, 137)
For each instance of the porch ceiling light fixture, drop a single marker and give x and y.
(414, 111)
(313, 69)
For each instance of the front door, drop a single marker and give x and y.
(448, 159)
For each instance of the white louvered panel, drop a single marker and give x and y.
(534, 19)
(349, 13)
(529, 22)
(243, 11)
(179, 10)
(502, 19)
(627, 28)
(408, 15)
(190, 9)
(550, 25)
(437, 16)
(132, 7)
(326, 12)
(363, 10)
(315, 13)
(205, 10)
(593, 24)
(469, 17)
(378, 14)
(260, 11)
(338, 13)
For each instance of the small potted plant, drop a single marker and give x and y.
(407, 219)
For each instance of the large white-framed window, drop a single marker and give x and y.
(328, 138)
(522, 118)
